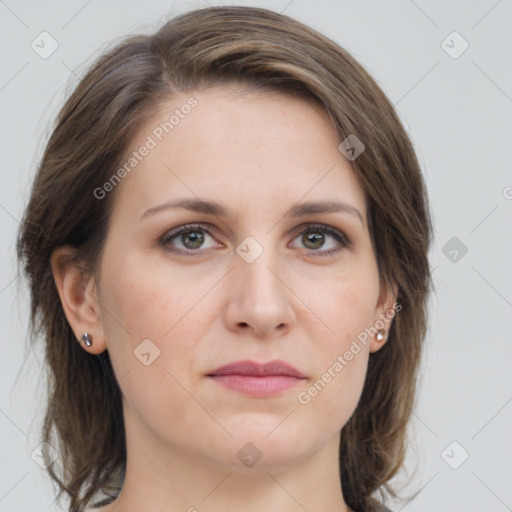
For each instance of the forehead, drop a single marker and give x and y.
(238, 147)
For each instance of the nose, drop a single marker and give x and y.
(260, 300)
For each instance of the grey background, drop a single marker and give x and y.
(458, 112)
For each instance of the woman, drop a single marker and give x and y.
(226, 244)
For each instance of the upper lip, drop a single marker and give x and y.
(275, 367)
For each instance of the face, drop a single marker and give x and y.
(263, 277)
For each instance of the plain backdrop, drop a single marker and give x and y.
(446, 67)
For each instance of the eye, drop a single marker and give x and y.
(315, 236)
(187, 239)
(190, 239)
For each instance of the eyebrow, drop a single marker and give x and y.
(217, 209)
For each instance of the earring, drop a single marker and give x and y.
(87, 339)
(381, 334)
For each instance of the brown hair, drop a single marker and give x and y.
(215, 46)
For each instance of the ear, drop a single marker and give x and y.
(385, 311)
(78, 295)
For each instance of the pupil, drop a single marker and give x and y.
(196, 238)
(315, 238)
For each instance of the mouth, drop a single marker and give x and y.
(257, 379)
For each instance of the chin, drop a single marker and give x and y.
(262, 457)
(257, 445)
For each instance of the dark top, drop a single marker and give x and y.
(383, 508)
(380, 508)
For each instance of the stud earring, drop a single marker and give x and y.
(381, 334)
(87, 339)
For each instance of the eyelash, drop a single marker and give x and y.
(311, 228)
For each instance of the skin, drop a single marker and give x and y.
(258, 154)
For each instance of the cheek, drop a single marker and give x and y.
(147, 301)
(151, 310)
(329, 402)
(331, 396)
(346, 307)
(143, 306)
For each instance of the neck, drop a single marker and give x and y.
(165, 478)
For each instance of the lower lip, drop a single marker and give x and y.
(265, 385)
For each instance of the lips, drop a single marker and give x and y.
(253, 368)
(257, 379)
